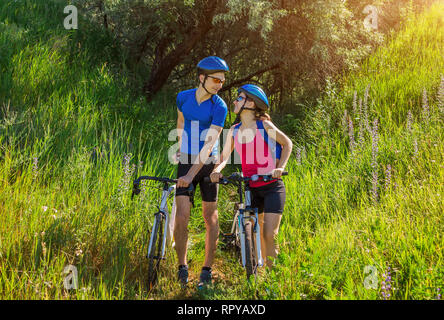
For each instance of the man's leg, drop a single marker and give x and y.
(211, 219)
(183, 208)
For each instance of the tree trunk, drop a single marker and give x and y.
(164, 65)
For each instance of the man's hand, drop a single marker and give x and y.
(184, 182)
(215, 176)
(277, 173)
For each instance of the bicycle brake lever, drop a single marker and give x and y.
(136, 190)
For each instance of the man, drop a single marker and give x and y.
(201, 116)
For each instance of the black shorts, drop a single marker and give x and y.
(208, 190)
(269, 198)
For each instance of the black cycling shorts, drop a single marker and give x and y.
(208, 190)
(269, 198)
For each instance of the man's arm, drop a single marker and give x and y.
(210, 140)
(180, 125)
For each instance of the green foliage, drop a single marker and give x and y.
(73, 134)
(288, 47)
(261, 15)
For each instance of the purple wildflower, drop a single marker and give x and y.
(344, 121)
(361, 128)
(128, 171)
(415, 147)
(355, 111)
(388, 175)
(366, 96)
(375, 186)
(425, 107)
(438, 297)
(375, 140)
(374, 163)
(298, 155)
(351, 134)
(365, 113)
(386, 284)
(35, 167)
(441, 95)
(409, 121)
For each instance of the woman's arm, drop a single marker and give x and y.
(222, 162)
(284, 141)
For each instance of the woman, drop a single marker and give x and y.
(263, 149)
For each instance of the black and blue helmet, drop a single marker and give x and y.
(256, 94)
(212, 64)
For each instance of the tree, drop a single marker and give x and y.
(289, 47)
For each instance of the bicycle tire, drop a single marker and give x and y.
(237, 240)
(156, 250)
(250, 250)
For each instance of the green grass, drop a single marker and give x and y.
(68, 120)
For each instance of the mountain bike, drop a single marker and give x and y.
(162, 226)
(245, 230)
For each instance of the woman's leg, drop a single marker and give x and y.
(261, 225)
(270, 230)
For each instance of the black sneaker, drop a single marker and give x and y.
(183, 276)
(205, 278)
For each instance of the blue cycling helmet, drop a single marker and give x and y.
(256, 94)
(212, 64)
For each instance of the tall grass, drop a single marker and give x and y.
(73, 135)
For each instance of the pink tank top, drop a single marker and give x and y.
(257, 157)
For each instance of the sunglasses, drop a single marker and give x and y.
(217, 80)
(240, 98)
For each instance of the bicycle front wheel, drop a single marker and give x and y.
(154, 256)
(250, 250)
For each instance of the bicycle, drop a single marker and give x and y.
(245, 230)
(161, 229)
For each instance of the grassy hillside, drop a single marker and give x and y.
(365, 188)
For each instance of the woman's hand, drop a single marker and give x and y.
(277, 173)
(215, 176)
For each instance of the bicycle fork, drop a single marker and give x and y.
(163, 211)
(256, 228)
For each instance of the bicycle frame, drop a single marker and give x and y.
(163, 210)
(243, 213)
(157, 243)
(246, 212)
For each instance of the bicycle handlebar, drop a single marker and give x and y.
(236, 177)
(136, 183)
